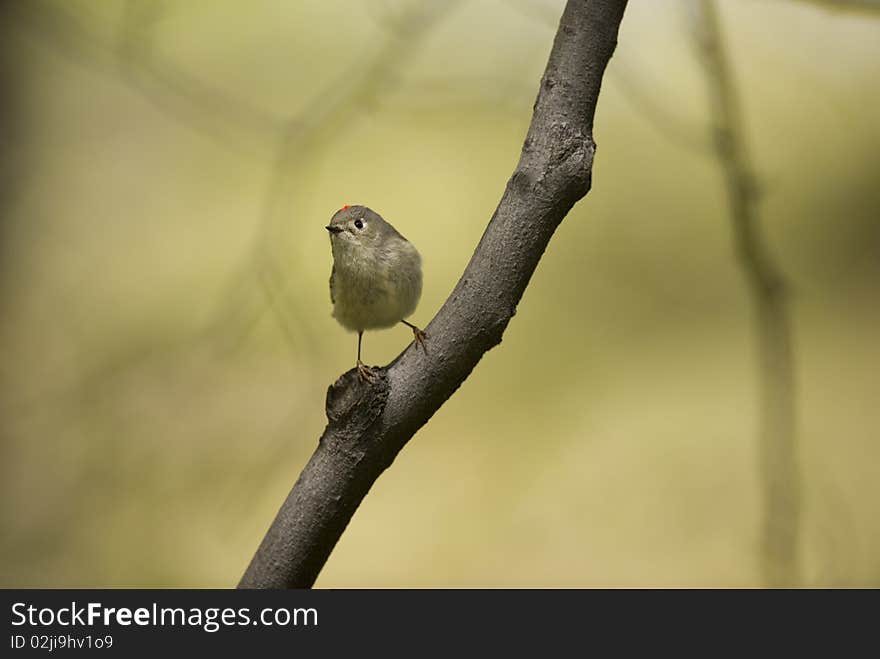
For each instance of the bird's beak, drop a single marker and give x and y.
(333, 229)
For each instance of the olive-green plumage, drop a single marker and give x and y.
(376, 279)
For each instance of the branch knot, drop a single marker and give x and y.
(353, 405)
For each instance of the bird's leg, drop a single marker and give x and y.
(364, 371)
(418, 334)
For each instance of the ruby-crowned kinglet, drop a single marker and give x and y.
(376, 279)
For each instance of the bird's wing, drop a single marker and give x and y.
(332, 275)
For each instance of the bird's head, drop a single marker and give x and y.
(353, 227)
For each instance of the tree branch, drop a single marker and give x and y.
(779, 469)
(369, 424)
(843, 6)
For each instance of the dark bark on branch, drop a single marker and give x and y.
(369, 424)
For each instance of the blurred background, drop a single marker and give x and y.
(166, 339)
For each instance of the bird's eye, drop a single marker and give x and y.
(359, 223)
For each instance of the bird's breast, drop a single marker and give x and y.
(375, 289)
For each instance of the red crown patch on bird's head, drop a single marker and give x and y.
(344, 208)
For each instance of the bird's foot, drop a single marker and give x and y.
(365, 373)
(419, 337)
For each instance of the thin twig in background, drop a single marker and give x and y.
(131, 58)
(846, 6)
(163, 83)
(667, 121)
(779, 466)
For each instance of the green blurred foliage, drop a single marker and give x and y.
(167, 340)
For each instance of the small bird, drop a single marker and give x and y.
(376, 280)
